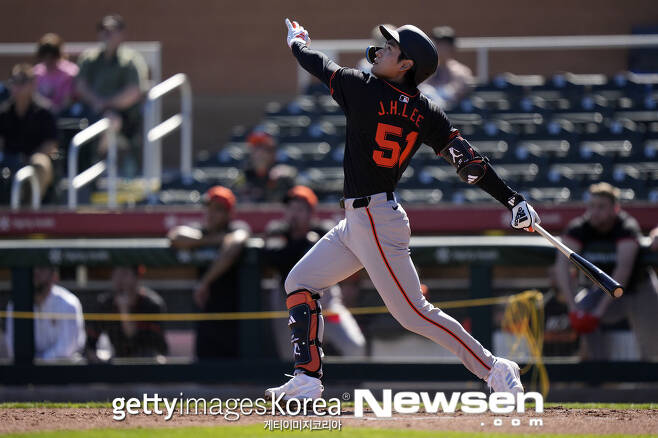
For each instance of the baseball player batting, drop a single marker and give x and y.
(388, 119)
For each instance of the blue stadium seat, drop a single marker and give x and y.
(552, 195)
(440, 173)
(642, 110)
(232, 154)
(304, 153)
(618, 140)
(516, 174)
(471, 195)
(323, 180)
(420, 196)
(543, 149)
(497, 150)
(494, 138)
(574, 174)
(646, 172)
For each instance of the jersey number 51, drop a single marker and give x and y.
(396, 158)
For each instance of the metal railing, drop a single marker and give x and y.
(77, 181)
(23, 174)
(155, 130)
(482, 47)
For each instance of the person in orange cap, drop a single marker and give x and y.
(263, 180)
(218, 287)
(300, 230)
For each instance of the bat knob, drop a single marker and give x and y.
(618, 292)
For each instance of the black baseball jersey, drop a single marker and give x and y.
(386, 123)
(600, 248)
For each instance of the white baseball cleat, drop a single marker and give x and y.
(300, 386)
(504, 377)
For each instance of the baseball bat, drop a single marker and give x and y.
(600, 278)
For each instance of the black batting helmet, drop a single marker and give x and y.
(416, 46)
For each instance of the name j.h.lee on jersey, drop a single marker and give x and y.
(400, 109)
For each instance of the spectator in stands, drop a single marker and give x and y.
(54, 73)
(605, 228)
(377, 40)
(299, 231)
(111, 81)
(263, 179)
(129, 338)
(28, 134)
(53, 338)
(452, 80)
(218, 289)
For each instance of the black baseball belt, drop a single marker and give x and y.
(365, 201)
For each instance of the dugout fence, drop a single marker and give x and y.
(479, 256)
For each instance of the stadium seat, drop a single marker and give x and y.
(574, 174)
(323, 180)
(617, 139)
(327, 105)
(494, 138)
(442, 173)
(498, 150)
(518, 173)
(287, 121)
(304, 153)
(551, 195)
(420, 196)
(650, 149)
(471, 196)
(643, 110)
(542, 149)
(232, 153)
(643, 171)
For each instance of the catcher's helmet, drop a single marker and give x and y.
(416, 46)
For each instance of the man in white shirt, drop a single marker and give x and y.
(53, 338)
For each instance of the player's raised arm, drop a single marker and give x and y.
(473, 168)
(314, 62)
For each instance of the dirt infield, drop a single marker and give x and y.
(555, 420)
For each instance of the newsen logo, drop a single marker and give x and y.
(467, 402)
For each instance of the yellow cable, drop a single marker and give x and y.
(224, 316)
(524, 317)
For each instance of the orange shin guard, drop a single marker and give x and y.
(307, 325)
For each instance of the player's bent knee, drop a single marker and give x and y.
(292, 283)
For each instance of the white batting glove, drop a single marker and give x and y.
(296, 33)
(524, 216)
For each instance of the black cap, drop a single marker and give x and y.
(417, 46)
